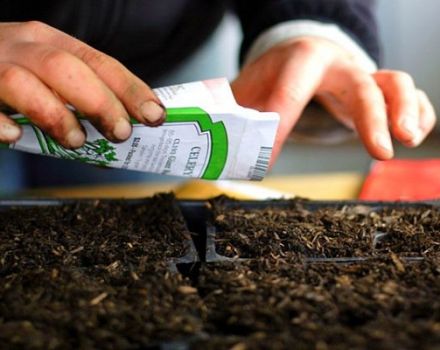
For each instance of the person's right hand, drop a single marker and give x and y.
(42, 69)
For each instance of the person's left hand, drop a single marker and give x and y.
(378, 106)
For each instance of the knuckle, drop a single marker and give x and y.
(100, 106)
(307, 46)
(35, 28)
(361, 101)
(362, 85)
(132, 90)
(52, 122)
(366, 96)
(52, 60)
(13, 76)
(96, 59)
(93, 56)
(401, 78)
(51, 119)
(293, 94)
(129, 90)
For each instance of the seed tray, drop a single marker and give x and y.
(199, 219)
(189, 255)
(341, 231)
(75, 274)
(214, 283)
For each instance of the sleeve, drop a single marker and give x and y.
(349, 23)
(355, 18)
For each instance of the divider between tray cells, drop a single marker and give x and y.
(190, 258)
(196, 217)
(211, 251)
(281, 204)
(195, 214)
(213, 256)
(183, 344)
(380, 237)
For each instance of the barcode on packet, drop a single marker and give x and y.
(258, 171)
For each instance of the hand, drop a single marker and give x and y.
(377, 105)
(42, 69)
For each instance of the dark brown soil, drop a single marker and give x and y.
(282, 293)
(351, 231)
(379, 304)
(102, 275)
(94, 275)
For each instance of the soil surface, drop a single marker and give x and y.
(379, 304)
(94, 275)
(350, 231)
(102, 275)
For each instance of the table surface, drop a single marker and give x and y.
(314, 186)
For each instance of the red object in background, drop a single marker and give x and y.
(401, 179)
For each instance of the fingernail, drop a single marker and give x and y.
(411, 126)
(75, 138)
(9, 132)
(122, 130)
(152, 112)
(384, 142)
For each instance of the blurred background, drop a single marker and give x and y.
(410, 42)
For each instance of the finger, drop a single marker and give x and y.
(10, 132)
(23, 91)
(427, 116)
(78, 84)
(293, 90)
(336, 108)
(362, 99)
(140, 101)
(403, 105)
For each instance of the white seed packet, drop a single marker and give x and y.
(206, 135)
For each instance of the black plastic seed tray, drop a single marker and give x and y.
(203, 249)
(198, 215)
(191, 253)
(361, 284)
(106, 273)
(381, 241)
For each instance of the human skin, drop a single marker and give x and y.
(42, 69)
(378, 105)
